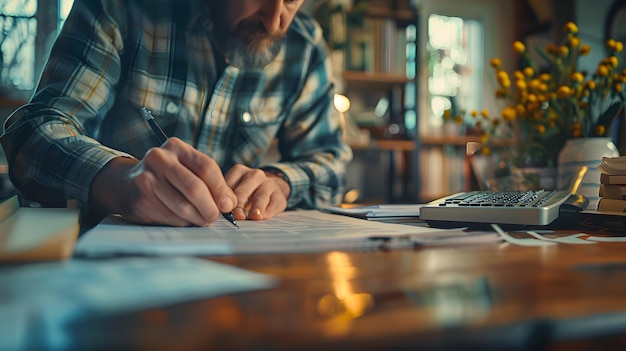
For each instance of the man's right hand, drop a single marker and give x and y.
(174, 184)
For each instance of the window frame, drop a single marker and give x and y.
(48, 20)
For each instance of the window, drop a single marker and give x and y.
(28, 29)
(459, 38)
(456, 64)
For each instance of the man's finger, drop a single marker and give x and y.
(208, 171)
(183, 208)
(244, 181)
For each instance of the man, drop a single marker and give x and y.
(223, 78)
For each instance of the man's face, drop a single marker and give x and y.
(250, 31)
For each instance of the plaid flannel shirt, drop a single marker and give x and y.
(113, 57)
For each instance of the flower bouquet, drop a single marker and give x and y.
(545, 105)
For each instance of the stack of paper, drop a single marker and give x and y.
(612, 185)
(36, 234)
(291, 231)
(377, 211)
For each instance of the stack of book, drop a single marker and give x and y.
(612, 185)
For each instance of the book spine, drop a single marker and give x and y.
(611, 205)
(612, 179)
(613, 191)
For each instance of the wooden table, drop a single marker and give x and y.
(486, 297)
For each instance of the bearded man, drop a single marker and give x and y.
(224, 80)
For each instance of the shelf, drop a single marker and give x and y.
(397, 145)
(386, 145)
(409, 145)
(378, 52)
(378, 80)
(456, 140)
(375, 77)
(404, 15)
(11, 102)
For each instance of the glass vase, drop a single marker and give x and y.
(533, 178)
(575, 155)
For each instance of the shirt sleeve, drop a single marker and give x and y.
(311, 141)
(50, 142)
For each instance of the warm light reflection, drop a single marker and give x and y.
(579, 179)
(342, 103)
(344, 305)
(351, 196)
(435, 260)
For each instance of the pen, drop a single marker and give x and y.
(160, 134)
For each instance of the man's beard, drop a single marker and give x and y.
(250, 46)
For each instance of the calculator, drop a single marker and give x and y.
(531, 207)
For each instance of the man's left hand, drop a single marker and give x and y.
(260, 195)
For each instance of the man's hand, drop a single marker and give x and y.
(174, 184)
(260, 194)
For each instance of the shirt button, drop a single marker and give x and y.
(215, 113)
(171, 107)
(246, 117)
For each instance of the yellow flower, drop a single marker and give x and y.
(571, 27)
(496, 62)
(584, 50)
(577, 77)
(591, 85)
(535, 84)
(577, 130)
(503, 79)
(541, 128)
(519, 47)
(529, 71)
(509, 113)
(551, 49)
(602, 71)
(574, 42)
(600, 129)
(610, 43)
(563, 92)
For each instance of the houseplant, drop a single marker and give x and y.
(547, 103)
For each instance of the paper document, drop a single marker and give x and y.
(291, 231)
(40, 301)
(377, 211)
(36, 234)
(613, 165)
